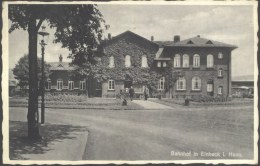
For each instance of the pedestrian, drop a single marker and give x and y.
(131, 92)
(146, 92)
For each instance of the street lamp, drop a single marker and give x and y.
(43, 42)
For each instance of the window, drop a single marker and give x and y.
(59, 84)
(220, 90)
(127, 61)
(111, 84)
(220, 72)
(71, 85)
(161, 83)
(159, 64)
(48, 85)
(181, 84)
(144, 61)
(98, 85)
(82, 85)
(196, 60)
(177, 60)
(186, 60)
(196, 83)
(111, 62)
(210, 60)
(209, 87)
(220, 55)
(164, 64)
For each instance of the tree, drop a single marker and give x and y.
(21, 71)
(78, 28)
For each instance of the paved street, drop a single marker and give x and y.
(153, 134)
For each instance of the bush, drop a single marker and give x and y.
(65, 98)
(200, 98)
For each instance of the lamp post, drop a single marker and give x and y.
(43, 42)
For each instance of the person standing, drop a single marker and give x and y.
(146, 93)
(131, 92)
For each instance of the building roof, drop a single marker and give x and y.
(60, 66)
(132, 34)
(200, 42)
(243, 78)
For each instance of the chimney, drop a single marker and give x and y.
(152, 38)
(109, 36)
(176, 38)
(60, 58)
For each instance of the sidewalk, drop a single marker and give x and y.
(59, 142)
(147, 104)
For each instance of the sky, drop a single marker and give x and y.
(228, 24)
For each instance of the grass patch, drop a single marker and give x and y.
(87, 103)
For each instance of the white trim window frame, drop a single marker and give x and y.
(220, 55)
(48, 85)
(181, 83)
(159, 64)
(196, 84)
(161, 85)
(220, 72)
(196, 61)
(186, 61)
(111, 84)
(71, 85)
(82, 85)
(177, 60)
(127, 61)
(59, 84)
(220, 90)
(210, 61)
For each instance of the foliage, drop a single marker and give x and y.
(201, 98)
(21, 70)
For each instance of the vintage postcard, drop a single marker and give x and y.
(130, 82)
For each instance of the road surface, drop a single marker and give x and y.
(158, 134)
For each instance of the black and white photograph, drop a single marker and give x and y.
(129, 82)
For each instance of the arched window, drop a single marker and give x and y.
(161, 83)
(186, 61)
(111, 62)
(220, 72)
(177, 60)
(144, 61)
(196, 83)
(127, 61)
(210, 60)
(59, 84)
(181, 84)
(210, 87)
(196, 60)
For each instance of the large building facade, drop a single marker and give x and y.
(203, 67)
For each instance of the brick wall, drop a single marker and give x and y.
(203, 72)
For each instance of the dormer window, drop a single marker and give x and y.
(164, 64)
(127, 61)
(190, 42)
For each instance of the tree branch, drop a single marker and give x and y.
(39, 24)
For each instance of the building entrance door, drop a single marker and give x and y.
(128, 81)
(210, 88)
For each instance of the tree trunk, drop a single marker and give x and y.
(32, 116)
